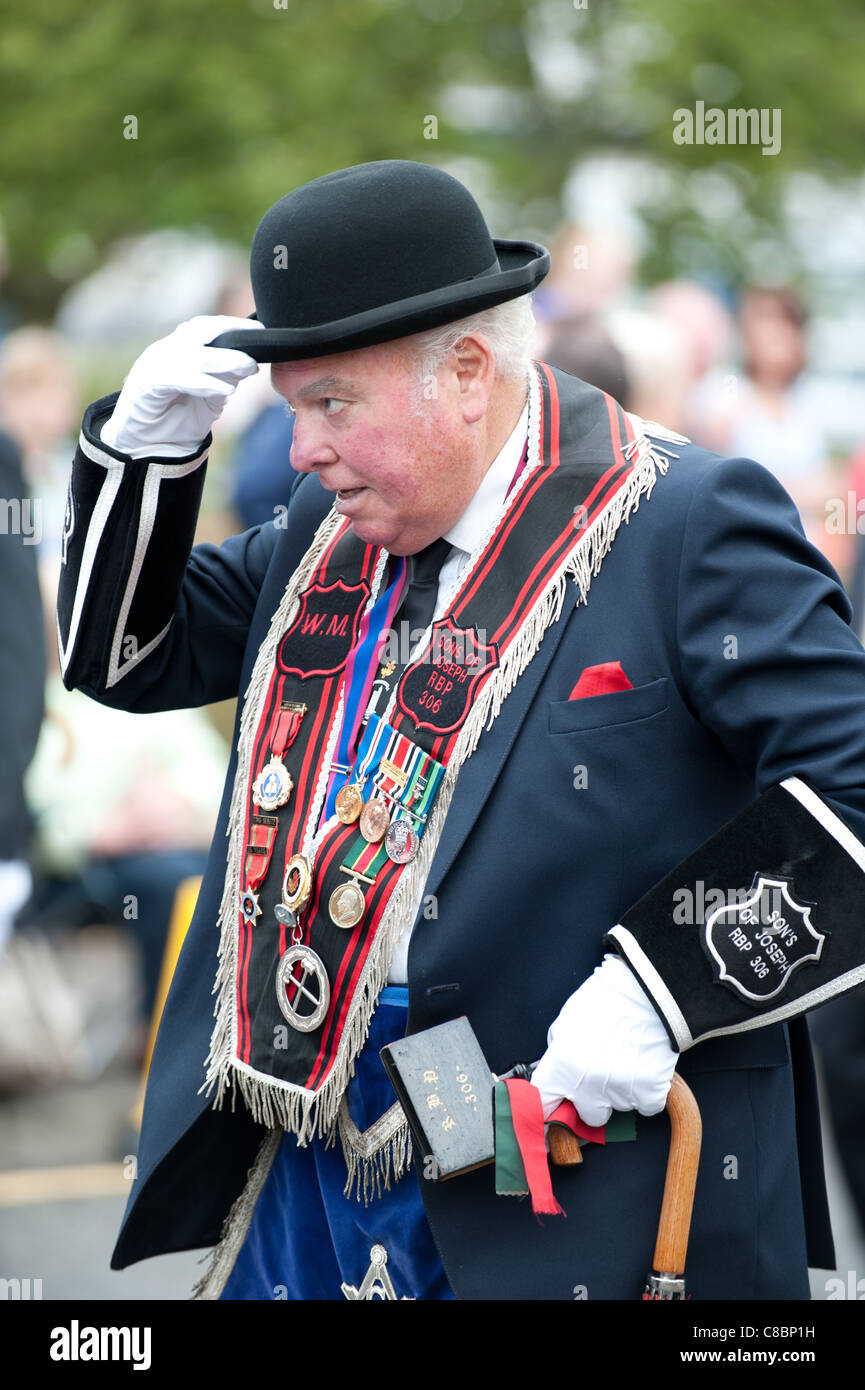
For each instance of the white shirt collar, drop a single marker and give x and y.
(467, 533)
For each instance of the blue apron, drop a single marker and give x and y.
(306, 1239)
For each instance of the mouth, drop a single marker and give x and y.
(346, 497)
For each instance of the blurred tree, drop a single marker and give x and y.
(190, 112)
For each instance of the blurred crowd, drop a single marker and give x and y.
(103, 814)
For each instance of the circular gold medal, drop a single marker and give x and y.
(347, 905)
(349, 803)
(374, 820)
(297, 883)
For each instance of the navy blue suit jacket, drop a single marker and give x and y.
(733, 631)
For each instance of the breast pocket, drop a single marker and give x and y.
(616, 707)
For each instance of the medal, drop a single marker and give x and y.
(374, 820)
(401, 841)
(262, 834)
(347, 902)
(273, 785)
(390, 778)
(349, 803)
(347, 905)
(398, 783)
(297, 883)
(285, 915)
(249, 908)
(311, 988)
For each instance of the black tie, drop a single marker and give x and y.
(420, 599)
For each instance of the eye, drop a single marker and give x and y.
(332, 405)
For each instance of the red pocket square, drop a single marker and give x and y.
(600, 680)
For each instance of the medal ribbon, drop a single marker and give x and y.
(288, 723)
(365, 858)
(422, 789)
(390, 782)
(359, 675)
(262, 836)
(375, 745)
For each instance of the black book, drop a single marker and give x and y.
(446, 1090)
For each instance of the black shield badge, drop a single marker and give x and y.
(325, 629)
(757, 943)
(438, 692)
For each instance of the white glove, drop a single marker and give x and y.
(607, 1050)
(176, 389)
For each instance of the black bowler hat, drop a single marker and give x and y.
(372, 253)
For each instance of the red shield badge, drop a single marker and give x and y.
(324, 631)
(438, 692)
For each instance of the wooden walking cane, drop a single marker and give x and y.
(666, 1279)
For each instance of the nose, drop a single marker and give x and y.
(310, 448)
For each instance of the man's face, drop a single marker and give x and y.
(403, 469)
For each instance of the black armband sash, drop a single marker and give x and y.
(779, 925)
(127, 535)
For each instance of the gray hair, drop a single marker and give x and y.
(509, 327)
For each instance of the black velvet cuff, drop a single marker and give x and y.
(129, 528)
(764, 921)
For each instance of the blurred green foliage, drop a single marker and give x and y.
(237, 102)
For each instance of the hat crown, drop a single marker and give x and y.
(363, 237)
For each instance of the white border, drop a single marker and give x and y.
(833, 824)
(156, 474)
(645, 970)
(98, 518)
(114, 470)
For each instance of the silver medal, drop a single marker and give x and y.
(401, 842)
(311, 987)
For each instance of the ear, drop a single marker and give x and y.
(475, 374)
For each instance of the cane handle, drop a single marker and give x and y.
(686, 1132)
(565, 1148)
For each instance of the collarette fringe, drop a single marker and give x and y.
(380, 1155)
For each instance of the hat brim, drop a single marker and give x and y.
(522, 266)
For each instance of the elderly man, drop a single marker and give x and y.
(521, 676)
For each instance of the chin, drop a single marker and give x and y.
(372, 534)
